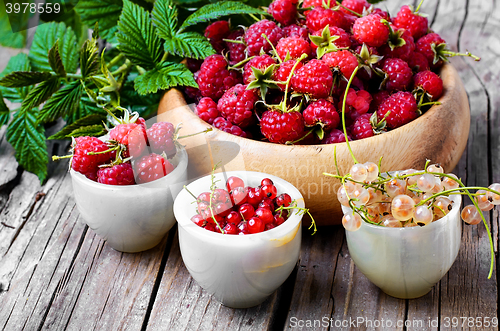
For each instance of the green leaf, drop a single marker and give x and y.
(55, 61)
(85, 108)
(189, 44)
(7, 37)
(63, 102)
(137, 36)
(165, 18)
(106, 12)
(19, 62)
(24, 78)
(145, 105)
(28, 139)
(45, 36)
(374, 1)
(89, 58)
(219, 9)
(170, 75)
(4, 111)
(87, 124)
(40, 93)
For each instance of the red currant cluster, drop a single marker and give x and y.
(285, 80)
(241, 209)
(132, 154)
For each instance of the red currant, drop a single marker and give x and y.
(234, 182)
(222, 209)
(255, 225)
(230, 228)
(269, 226)
(266, 181)
(269, 191)
(243, 228)
(283, 200)
(239, 195)
(278, 219)
(198, 220)
(233, 217)
(254, 196)
(265, 215)
(205, 196)
(246, 211)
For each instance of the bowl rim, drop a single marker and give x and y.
(184, 220)
(176, 173)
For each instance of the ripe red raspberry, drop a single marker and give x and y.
(402, 107)
(430, 82)
(357, 103)
(406, 19)
(132, 135)
(294, 30)
(294, 46)
(214, 78)
(425, 46)
(355, 5)
(284, 11)
(161, 138)
(283, 72)
(343, 40)
(378, 98)
(345, 61)
(151, 167)
(403, 52)
(254, 40)
(224, 125)
(314, 78)
(236, 105)
(321, 112)
(399, 74)
(236, 50)
(119, 174)
(206, 109)
(193, 65)
(87, 164)
(418, 62)
(314, 3)
(335, 136)
(362, 127)
(320, 17)
(215, 32)
(259, 62)
(280, 127)
(370, 30)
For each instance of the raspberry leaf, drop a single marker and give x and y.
(24, 78)
(45, 37)
(82, 127)
(40, 93)
(7, 37)
(63, 102)
(55, 61)
(219, 9)
(165, 77)
(189, 44)
(89, 59)
(4, 111)
(106, 12)
(16, 63)
(138, 38)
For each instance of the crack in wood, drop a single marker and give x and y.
(7, 225)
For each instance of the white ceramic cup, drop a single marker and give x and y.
(407, 262)
(240, 271)
(131, 218)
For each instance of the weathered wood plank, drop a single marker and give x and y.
(181, 304)
(8, 164)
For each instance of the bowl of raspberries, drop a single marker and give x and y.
(239, 234)
(125, 183)
(289, 88)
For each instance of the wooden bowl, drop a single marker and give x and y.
(439, 135)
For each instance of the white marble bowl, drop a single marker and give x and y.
(407, 262)
(240, 271)
(131, 218)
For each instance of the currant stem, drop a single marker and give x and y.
(300, 139)
(452, 54)
(57, 158)
(274, 49)
(237, 65)
(293, 205)
(254, 17)
(185, 187)
(349, 10)
(419, 5)
(303, 56)
(194, 134)
(234, 41)
(343, 113)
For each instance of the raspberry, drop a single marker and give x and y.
(254, 40)
(399, 74)
(378, 98)
(215, 32)
(430, 82)
(283, 72)
(151, 167)
(418, 62)
(119, 174)
(402, 107)
(224, 125)
(314, 78)
(259, 62)
(87, 164)
(236, 50)
(362, 127)
(280, 127)
(427, 45)
(320, 17)
(335, 136)
(355, 5)
(406, 19)
(294, 46)
(284, 11)
(132, 135)
(193, 65)
(161, 138)
(313, 3)
(294, 30)
(345, 61)
(321, 112)
(370, 30)
(214, 78)
(206, 109)
(403, 52)
(357, 103)
(236, 105)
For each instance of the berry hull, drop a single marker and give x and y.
(131, 218)
(439, 135)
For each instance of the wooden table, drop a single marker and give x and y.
(56, 274)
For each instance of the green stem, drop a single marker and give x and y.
(194, 134)
(115, 60)
(343, 113)
(122, 68)
(303, 56)
(234, 41)
(164, 57)
(419, 5)
(452, 54)
(349, 10)
(254, 17)
(185, 187)
(77, 76)
(272, 46)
